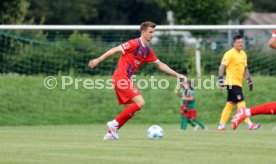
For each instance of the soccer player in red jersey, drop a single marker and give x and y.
(272, 41)
(134, 54)
(242, 113)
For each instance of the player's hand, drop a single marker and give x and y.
(93, 63)
(250, 84)
(182, 77)
(221, 82)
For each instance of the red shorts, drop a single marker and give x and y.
(125, 90)
(190, 113)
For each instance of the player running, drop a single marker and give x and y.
(134, 54)
(235, 63)
(242, 113)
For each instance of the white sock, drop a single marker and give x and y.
(221, 125)
(247, 112)
(249, 124)
(114, 122)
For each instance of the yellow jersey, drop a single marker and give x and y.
(235, 63)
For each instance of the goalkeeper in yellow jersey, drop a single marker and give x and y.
(235, 63)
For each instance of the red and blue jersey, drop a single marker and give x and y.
(135, 54)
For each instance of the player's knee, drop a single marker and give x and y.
(141, 103)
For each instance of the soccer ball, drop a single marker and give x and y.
(155, 132)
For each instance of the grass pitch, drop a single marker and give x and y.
(26, 101)
(84, 144)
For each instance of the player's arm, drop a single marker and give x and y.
(94, 62)
(221, 70)
(220, 75)
(224, 63)
(176, 90)
(249, 80)
(246, 73)
(165, 68)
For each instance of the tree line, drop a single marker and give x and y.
(92, 12)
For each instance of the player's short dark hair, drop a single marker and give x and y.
(146, 24)
(236, 37)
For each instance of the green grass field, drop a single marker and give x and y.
(67, 126)
(84, 144)
(25, 101)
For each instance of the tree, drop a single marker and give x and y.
(264, 6)
(63, 11)
(206, 11)
(96, 12)
(13, 12)
(129, 12)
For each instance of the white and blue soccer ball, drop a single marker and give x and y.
(155, 132)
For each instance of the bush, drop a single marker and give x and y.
(48, 56)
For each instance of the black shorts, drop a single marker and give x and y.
(234, 94)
